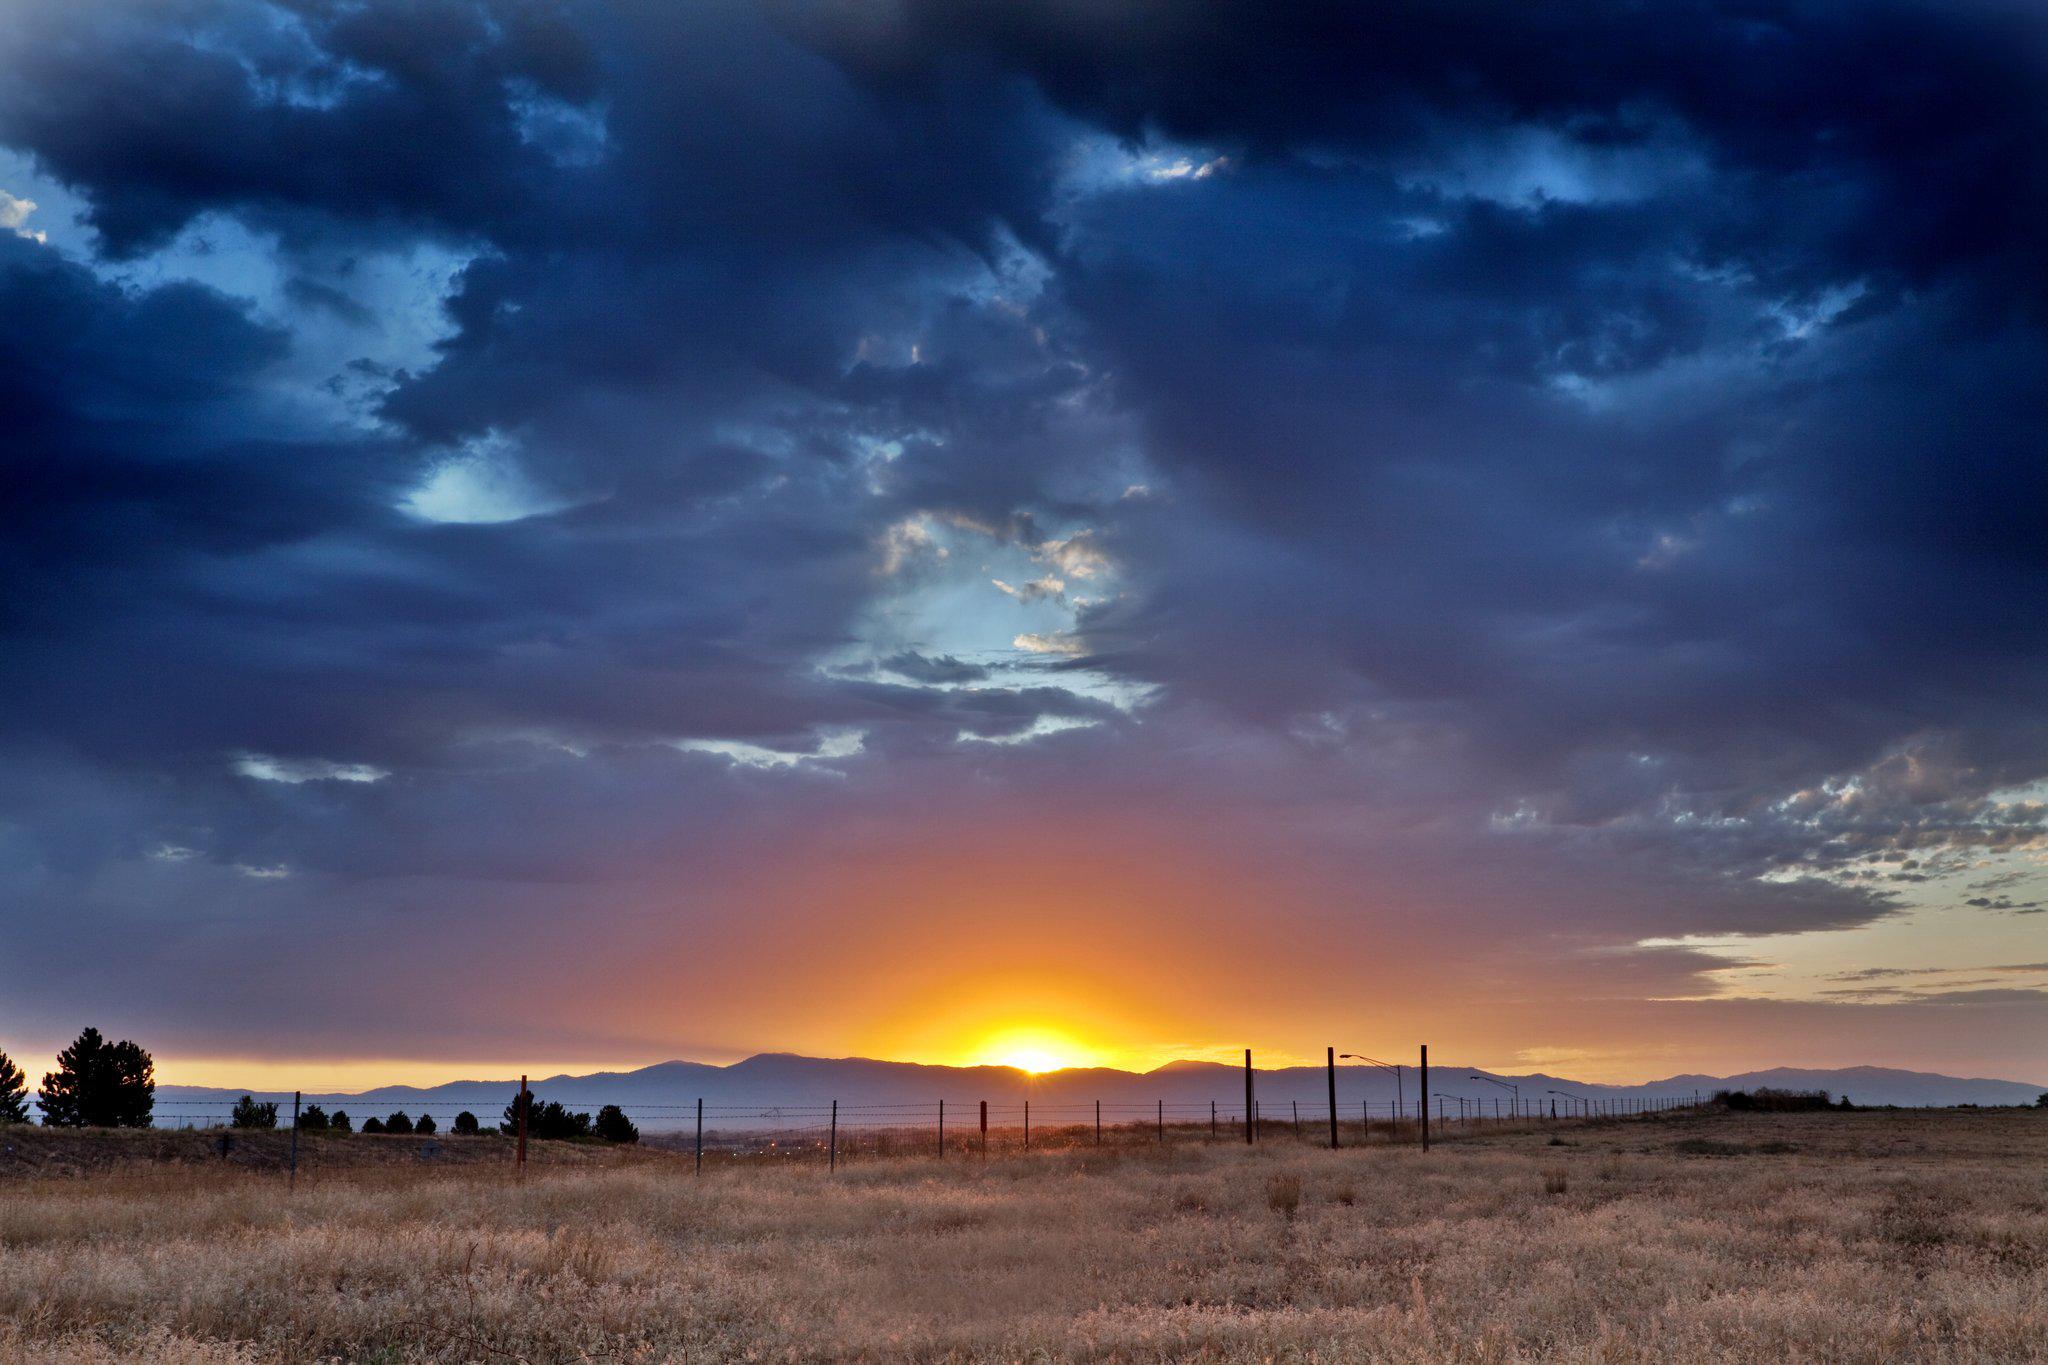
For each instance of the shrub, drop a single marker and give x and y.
(397, 1123)
(426, 1125)
(373, 1125)
(1283, 1194)
(1766, 1100)
(465, 1123)
(252, 1113)
(98, 1084)
(338, 1122)
(313, 1119)
(14, 1092)
(614, 1126)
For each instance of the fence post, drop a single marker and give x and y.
(1423, 1107)
(1297, 1119)
(700, 1135)
(832, 1160)
(1098, 1123)
(1027, 1125)
(1162, 1123)
(1332, 1058)
(984, 1130)
(1212, 1120)
(1247, 1097)
(942, 1128)
(525, 1103)
(293, 1183)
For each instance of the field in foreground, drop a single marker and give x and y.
(1824, 1237)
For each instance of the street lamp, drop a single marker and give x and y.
(1505, 1085)
(1461, 1103)
(1584, 1104)
(1395, 1067)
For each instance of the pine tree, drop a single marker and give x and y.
(13, 1092)
(249, 1113)
(614, 1126)
(98, 1084)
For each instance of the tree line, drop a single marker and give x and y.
(98, 1084)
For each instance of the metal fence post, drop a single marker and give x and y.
(1162, 1123)
(942, 1128)
(1098, 1123)
(293, 1183)
(700, 1135)
(832, 1160)
(984, 1130)
(1027, 1125)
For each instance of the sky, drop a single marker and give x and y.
(543, 535)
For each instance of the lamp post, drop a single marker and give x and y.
(1573, 1095)
(1505, 1085)
(1394, 1067)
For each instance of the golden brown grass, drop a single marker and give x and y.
(1830, 1237)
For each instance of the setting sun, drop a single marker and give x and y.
(1034, 1050)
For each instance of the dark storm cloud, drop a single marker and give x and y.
(1580, 466)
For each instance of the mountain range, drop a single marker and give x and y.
(661, 1094)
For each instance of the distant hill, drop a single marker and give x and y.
(666, 1093)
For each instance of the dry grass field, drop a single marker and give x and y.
(1812, 1237)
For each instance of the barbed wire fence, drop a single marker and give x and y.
(832, 1132)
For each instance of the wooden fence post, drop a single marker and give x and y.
(1332, 1059)
(1247, 1097)
(942, 1128)
(1027, 1125)
(1098, 1123)
(525, 1103)
(1423, 1107)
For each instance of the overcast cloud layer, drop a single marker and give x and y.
(747, 524)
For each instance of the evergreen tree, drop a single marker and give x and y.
(614, 1126)
(98, 1084)
(338, 1122)
(373, 1125)
(398, 1123)
(426, 1125)
(465, 1124)
(249, 1113)
(13, 1092)
(544, 1119)
(313, 1119)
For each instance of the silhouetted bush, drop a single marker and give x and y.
(426, 1125)
(1766, 1100)
(14, 1092)
(397, 1123)
(465, 1123)
(98, 1084)
(313, 1119)
(253, 1113)
(338, 1122)
(373, 1125)
(544, 1119)
(614, 1126)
